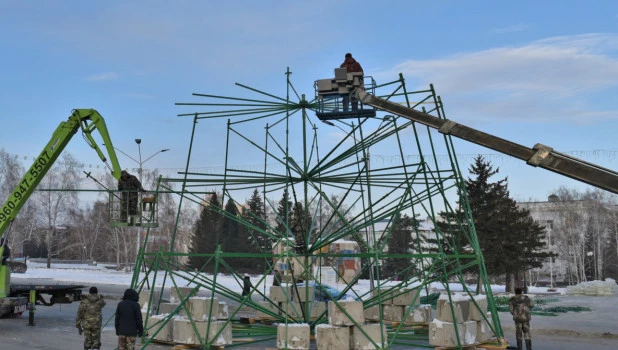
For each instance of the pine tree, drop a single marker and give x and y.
(401, 242)
(284, 214)
(255, 215)
(206, 233)
(453, 236)
(300, 227)
(510, 240)
(230, 232)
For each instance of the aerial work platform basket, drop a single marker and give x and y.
(336, 98)
(133, 208)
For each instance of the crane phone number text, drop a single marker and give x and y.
(24, 186)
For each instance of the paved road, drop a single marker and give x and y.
(594, 330)
(55, 326)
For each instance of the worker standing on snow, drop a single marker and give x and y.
(246, 288)
(520, 306)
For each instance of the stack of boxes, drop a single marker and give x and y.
(172, 323)
(395, 305)
(146, 303)
(346, 328)
(293, 336)
(284, 301)
(460, 317)
(283, 265)
(478, 308)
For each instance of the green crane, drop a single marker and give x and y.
(88, 120)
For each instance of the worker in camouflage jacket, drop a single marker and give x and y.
(130, 186)
(520, 306)
(89, 318)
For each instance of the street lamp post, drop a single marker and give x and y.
(139, 150)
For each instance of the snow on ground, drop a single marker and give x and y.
(93, 275)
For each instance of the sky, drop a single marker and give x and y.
(526, 71)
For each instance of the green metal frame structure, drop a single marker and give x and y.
(312, 161)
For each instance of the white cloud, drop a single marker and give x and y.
(558, 75)
(103, 76)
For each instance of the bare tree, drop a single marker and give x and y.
(89, 233)
(612, 266)
(119, 241)
(23, 227)
(598, 230)
(56, 197)
(172, 220)
(585, 225)
(166, 206)
(187, 216)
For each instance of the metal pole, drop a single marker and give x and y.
(138, 236)
(139, 149)
(370, 240)
(551, 263)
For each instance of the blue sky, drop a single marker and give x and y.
(526, 71)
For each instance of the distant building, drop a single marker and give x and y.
(551, 214)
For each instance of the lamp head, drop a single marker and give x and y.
(138, 141)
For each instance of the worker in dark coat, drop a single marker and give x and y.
(351, 66)
(89, 319)
(129, 323)
(130, 186)
(519, 306)
(246, 288)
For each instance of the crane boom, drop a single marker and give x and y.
(13, 300)
(88, 120)
(538, 156)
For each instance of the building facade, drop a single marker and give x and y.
(554, 214)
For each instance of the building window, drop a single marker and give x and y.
(549, 224)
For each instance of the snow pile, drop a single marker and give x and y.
(455, 296)
(594, 288)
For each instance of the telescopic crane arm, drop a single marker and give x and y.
(538, 156)
(88, 120)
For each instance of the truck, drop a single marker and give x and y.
(16, 299)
